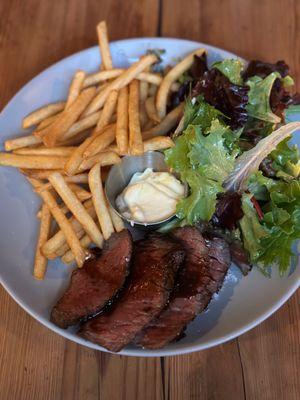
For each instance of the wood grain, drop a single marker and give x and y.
(35, 363)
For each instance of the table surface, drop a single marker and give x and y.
(36, 363)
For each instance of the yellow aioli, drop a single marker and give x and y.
(150, 196)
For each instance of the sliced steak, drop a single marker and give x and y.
(156, 260)
(202, 275)
(96, 282)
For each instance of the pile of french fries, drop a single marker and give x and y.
(107, 114)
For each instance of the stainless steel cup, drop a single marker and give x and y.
(120, 175)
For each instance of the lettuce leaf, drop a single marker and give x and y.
(232, 69)
(201, 203)
(270, 241)
(209, 154)
(292, 113)
(259, 98)
(198, 112)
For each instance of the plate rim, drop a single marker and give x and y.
(188, 348)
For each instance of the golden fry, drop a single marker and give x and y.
(20, 142)
(52, 246)
(76, 208)
(101, 141)
(116, 220)
(151, 109)
(105, 158)
(75, 87)
(47, 121)
(168, 123)
(135, 136)
(65, 227)
(72, 165)
(68, 256)
(81, 125)
(104, 45)
(33, 162)
(52, 134)
(46, 151)
(39, 173)
(40, 261)
(99, 201)
(80, 192)
(122, 121)
(158, 143)
(42, 113)
(108, 110)
(124, 79)
(94, 79)
(170, 78)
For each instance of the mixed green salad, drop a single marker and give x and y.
(234, 154)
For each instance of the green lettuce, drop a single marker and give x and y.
(232, 69)
(202, 159)
(270, 241)
(198, 112)
(209, 155)
(201, 203)
(286, 158)
(259, 97)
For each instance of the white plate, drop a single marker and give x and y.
(241, 304)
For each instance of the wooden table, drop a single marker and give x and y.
(35, 363)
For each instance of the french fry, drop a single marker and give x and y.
(108, 110)
(42, 113)
(64, 209)
(158, 143)
(68, 257)
(73, 164)
(65, 247)
(116, 220)
(104, 45)
(39, 173)
(47, 121)
(152, 90)
(166, 124)
(80, 178)
(77, 139)
(124, 79)
(33, 162)
(65, 227)
(105, 158)
(80, 192)
(101, 141)
(60, 126)
(99, 201)
(20, 142)
(151, 109)
(144, 87)
(94, 79)
(46, 151)
(76, 208)
(135, 136)
(52, 246)
(75, 87)
(40, 261)
(81, 125)
(122, 121)
(171, 77)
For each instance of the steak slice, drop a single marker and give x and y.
(202, 275)
(96, 282)
(156, 260)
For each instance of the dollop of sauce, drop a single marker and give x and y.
(150, 196)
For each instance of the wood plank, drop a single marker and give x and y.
(249, 29)
(211, 374)
(270, 355)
